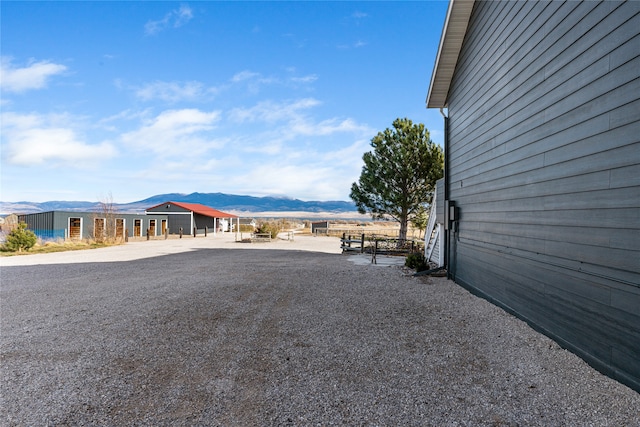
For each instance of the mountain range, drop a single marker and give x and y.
(220, 201)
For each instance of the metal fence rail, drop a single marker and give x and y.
(379, 244)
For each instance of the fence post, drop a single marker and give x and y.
(362, 244)
(205, 232)
(147, 234)
(376, 252)
(126, 235)
(166, 233)
(195, 230)
(181, 232)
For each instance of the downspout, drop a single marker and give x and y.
(447, 234)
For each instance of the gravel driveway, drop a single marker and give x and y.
(218, 337)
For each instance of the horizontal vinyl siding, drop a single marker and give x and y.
(440, 201)
(435, 254)
(544, 164)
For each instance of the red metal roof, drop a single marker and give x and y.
(200, 209)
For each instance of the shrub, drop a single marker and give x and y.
(271, 228)
(416, 260)
(20, 238)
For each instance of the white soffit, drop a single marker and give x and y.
(455, 27)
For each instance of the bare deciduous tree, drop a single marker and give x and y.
(105, 229)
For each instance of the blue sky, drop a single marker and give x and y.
(125, 100)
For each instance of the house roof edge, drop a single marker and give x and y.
(453, 32)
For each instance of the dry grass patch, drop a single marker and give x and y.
(59, 246)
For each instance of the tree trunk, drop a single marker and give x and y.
(402, 236)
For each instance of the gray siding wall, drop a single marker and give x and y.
(55, 224)
(440, 201)
(180, 221)
(58, 222)
(178, 217)
(202, 222)
(544, 157)
(435, 254)
(38, 221)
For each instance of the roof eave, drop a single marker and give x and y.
(453, 32)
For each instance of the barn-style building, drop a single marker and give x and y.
(194, 218)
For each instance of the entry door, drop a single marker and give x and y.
(137, 227)
(152, 227)
(119, 228)
(75, 228)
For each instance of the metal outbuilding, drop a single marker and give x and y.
(194, 218)
(89, 225)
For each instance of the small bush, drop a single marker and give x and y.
(20, 238)
(416, 261)
(271, 228)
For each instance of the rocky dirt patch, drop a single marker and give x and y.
(277, 337)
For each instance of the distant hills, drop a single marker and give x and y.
(220, 201)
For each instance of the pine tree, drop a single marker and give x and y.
(399, 175)
(20, 238)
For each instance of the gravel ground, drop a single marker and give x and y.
(217, 337)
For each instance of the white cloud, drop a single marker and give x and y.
(33, 76)
(268, 111)
(37, 139)
(285, 179)
(300, 155)
(328, 127)
(125, 115)
(182, 15)
(355, 45)
(254, 81)
(310, 181)
(348, 156)
(305, 79)
(322, 174)
(295, 40)
(270, 144)
(244, 75)
(174, 91)
(290, 125)
(112, 123)
(175, 18)
(185, 132)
